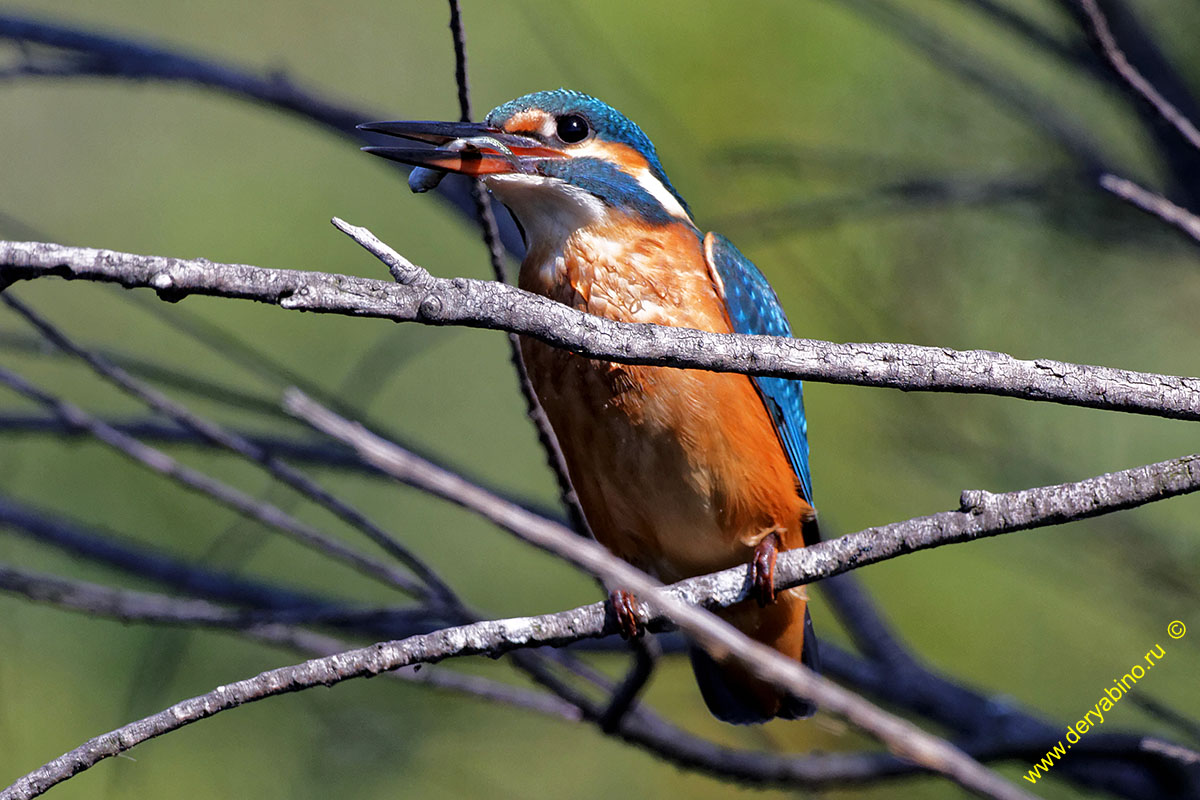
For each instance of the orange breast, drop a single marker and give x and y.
(679, 471)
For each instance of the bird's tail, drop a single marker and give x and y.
(732, 694)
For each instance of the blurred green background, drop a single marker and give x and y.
(794, 129)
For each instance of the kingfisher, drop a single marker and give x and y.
(680, 472)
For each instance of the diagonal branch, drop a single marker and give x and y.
(86, 53)
(486, 304)
(1132, 77)
(1153, 204)
(502, 636)
(434, 586)
(206, 485)
(984, 514)
(277, 628)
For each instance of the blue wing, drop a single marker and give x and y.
(754, 308)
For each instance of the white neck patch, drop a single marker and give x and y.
(655, 188)
(549, 209)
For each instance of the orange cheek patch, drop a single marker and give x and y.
(622, 155)
(526, 121)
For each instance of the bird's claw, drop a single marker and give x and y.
(625, 609)
(762, 569)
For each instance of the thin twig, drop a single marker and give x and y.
(274, 627)
(487, 304)
(244, 504)
(129, 59)
(722, 640)
(1130, 74)
(235, 443)
(460, 62)
(1153, 204)
(501, 636)
(491, 239)
(645, 654)
(128, 605)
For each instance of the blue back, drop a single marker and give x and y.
(754, 308)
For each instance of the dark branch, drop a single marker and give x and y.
(722, 641)
(1130, 74)
(201, 483)
(85, 53)
(491, 239)
(231, 441)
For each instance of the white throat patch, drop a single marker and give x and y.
(549, 209)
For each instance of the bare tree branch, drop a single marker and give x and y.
(491, 239)
(424, 298)
(999, 512)
(1133, 78)
(128, 605)
(1153, 204)
(86, 53)
(276, 627)
(244, 504)
(502, 636)
(983, 514)
(434, 586)
(1034, 507)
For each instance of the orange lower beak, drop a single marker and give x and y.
(464, 147)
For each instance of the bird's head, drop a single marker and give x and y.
(560, 160)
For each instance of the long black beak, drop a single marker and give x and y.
(471, 148)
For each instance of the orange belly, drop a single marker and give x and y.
(678, 471)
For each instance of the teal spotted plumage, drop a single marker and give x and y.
(754, 308)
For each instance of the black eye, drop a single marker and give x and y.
(572, 128)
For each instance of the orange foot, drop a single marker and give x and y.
(625, 608)
(762, 569)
